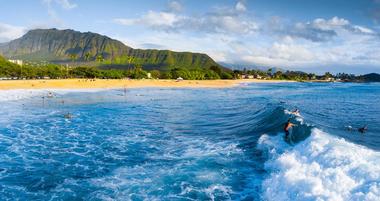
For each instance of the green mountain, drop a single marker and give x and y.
(77, 48)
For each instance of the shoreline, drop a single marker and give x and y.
(123, 83)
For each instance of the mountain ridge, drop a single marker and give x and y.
(63, 46)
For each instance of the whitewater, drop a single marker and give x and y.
(191, 144)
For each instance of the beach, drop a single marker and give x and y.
(122, 83)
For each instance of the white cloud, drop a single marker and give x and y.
(240, 6)
(215, 23)
(363, 29)
(290, 52)
(220, 21)
(235, 36)
(152, 19)
(318, 30)
(56, 21)
(329, 24)
(10, 32)
(175, 6)
(339, 24)
(65, 4)
(157, 19)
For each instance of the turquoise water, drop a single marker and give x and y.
(193, 144)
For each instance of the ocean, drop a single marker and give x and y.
(192, 144)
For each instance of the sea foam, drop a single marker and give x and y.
(19, 94)
(322, 167)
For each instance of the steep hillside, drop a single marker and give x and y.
(80, 48)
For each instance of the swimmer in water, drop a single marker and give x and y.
(363, 129)
(68, 116)
(50, 95)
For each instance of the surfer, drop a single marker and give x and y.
(363, 129)
(296, 112)
(287, 127)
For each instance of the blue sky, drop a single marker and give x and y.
(309, 35)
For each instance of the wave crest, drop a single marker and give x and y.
(322, 167)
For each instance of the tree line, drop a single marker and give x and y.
(53, 71)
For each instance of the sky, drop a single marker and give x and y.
(308, 35)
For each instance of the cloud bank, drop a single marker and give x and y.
(9, 32)
(239, 37)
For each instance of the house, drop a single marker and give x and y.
(258, 77)
(246, 76)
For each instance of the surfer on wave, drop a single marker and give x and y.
(296, 112)
(288, 125)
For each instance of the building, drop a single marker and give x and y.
(247, 77)
(16, 61)
(258, 76)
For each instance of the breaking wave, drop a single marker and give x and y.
(321, 167)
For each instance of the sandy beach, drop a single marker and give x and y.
(120, 83)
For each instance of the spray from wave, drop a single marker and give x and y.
(320, 167)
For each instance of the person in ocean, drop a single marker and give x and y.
(363, 129)
(360, 130)
(288, 125)
(296, 112)
(50, 95)
(349, 128)
(68, 116)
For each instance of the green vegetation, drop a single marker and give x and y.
(91, 49)
(8, 69)
(193, 74)
(54, 71)
(45, 70)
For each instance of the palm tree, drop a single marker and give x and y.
(270, 71)
(73, 56)
(87, 56)
(99, 58)
(130, 60)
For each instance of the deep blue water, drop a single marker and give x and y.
(192, 144)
